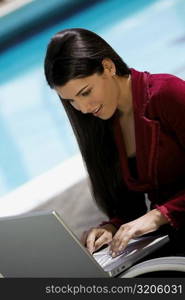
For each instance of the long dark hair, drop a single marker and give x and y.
(77, 53)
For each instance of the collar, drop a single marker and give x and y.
(146, 134)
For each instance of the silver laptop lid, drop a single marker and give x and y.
(41, 245)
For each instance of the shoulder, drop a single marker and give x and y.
(165, 85)
(165, 92)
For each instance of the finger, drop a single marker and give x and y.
(90, 241)
(85, 234)
(121, 246)
(119, 243)
(115, 241)
(105, 238)
(83, 238)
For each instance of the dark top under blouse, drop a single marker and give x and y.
(133, 167)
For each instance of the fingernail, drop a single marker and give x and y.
(113, 254)
(91, 250)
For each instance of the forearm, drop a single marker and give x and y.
(174, 210)
(160, 219)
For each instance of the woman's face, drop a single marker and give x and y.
(97, 94)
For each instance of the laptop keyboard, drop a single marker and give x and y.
(104, 258)
(108, 263)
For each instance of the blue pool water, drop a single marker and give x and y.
(34, 130)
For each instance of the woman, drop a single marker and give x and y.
(131, 133)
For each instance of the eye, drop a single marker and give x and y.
(86, 93)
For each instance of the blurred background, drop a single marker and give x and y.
(40, 163)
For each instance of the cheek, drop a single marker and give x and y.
(75, 105)
(109, 95)
(108, 91)
(113, 93)
(100, 95)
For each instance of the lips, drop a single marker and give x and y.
(96, 111)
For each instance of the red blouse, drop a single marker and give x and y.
(159, 115)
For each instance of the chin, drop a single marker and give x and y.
(106, 117)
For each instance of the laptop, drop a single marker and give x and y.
(40, 244)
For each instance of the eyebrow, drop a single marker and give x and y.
(81, 90)
(77, 93)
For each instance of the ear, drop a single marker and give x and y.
(109, 66)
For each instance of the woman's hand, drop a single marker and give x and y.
(149, 222)
(96, 237)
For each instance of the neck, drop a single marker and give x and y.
(125, 106)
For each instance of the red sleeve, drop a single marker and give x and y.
(172, 113)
